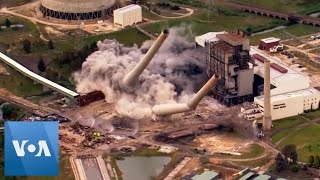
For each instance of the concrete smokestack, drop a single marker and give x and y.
(131, 78)
(267, 122)
(193, 103)
(169, 109)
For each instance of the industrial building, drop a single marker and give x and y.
(267, 43)
(78, 9)
(243, 76)
(127, 16)
(228, 56)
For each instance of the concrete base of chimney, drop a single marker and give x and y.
(267, 123)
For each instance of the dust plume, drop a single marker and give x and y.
(175, 73)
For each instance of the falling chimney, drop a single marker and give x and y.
(169, 109)
(131, 78)
(267, 122)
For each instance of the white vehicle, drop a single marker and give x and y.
(315, 37)
(260, 135)
(277, 48)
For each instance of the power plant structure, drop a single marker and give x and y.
(267, 123)
(228, 56)
(274, 89)
(78, 9)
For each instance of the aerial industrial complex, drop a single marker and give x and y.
(218, 105)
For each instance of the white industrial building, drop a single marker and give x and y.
(127, 16)
(291, 93)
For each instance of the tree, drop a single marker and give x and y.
(7, 110)
(310, 160)
(41, 65)
(280, 162)
(295, 168)
(26, 46)
(7, 23)
(50, 44)
(316, 162)
(290, 152)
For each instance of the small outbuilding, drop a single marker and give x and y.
(267, 43)
(127, 16)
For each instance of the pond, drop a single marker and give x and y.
(142, 168)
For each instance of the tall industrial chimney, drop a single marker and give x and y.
(169, 109)
(131, 78)
(267, 122)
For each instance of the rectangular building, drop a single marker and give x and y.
(127, 16)
(291, 103)
(267, 43)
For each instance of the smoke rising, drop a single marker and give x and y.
(175, 73)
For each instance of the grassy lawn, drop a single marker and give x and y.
(147, 14)
(255, 163)
(290, 6)
(198, 24)
(283, 126)
(128, 37)
(296, 30)
(303, 138)
(19, 84)
(287, 122)
(280, 135)
(313, 115)
(254, 150)
(10, 3)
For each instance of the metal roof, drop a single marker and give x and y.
(262, 177)
(208, 37)
(247, 176)
(128, 8)
(270, 40)
(287, 95)
(207, 175)
(292, 80)
(36, 77)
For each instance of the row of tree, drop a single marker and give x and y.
(26, 45)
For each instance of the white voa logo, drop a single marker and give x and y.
(42, 144)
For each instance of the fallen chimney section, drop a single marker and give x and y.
(169, 109)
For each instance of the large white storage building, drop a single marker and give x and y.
(127, 16)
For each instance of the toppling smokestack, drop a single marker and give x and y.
(131, 78)
(267, 122)
(169, 109)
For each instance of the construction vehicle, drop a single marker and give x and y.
(277, 48)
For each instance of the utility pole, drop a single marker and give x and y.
(211, 8)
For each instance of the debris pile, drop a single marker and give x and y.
(92, 137)
(51, 117)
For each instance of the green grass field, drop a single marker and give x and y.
(19, 84)
(290, 6)
(296, 30)
(313, 115)
(287, 122)
(10, 3)
(303, 138)
(198, 23)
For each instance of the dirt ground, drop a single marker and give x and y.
(222, 143)
(3, 70)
